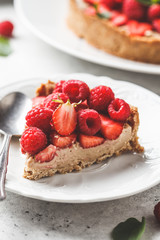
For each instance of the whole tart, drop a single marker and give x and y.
(77, 156)
(116, 40)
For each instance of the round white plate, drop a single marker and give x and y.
(115, 178)
(47, 20)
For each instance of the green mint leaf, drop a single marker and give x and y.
(105, 15)
(149, 2)
(131, 229)
(5, 48)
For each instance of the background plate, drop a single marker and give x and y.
(47, 20)
(118, 177)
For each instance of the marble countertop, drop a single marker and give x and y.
(25, 218)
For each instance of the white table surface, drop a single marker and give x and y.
(25, 218)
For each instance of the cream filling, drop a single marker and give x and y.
(69, 157)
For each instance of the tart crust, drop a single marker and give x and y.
(102, 34)
(35, 171)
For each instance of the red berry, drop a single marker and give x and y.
(109, 128)
(134, 9)
(62, 141)
(108, 3)
(138, 29)
(64, 119)
(119, 20)
(50, 103)
(119, 110)
(90, 141)
(76, 90)
(82, 106)
(58, 86)
(90, 11)
(156, 24)
(100, 97)
(39, 117)
(6, 29)
(38, 101)
(89, 121)
(154, 12)
(102, 8)
(157, 211)
(46, 155)
(33, 140)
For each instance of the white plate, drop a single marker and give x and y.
(119, 177)
(47, 20)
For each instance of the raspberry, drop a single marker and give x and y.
(6, 28)
(89, 121)
(100, 98)
(49, 103)
(134, 9)
(157, 211)
(76, 90)
(58, 86)
(119, 110)
(154, 12)
(39, 117)
(33, 140)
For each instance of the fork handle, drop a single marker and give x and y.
(3, 164)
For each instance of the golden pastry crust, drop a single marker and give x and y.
(102, 34)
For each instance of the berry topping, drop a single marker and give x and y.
(62, 141)
(6, 29)
(33, 140)
(46, 155)
(39, 117)
(154, 12)
(76, 90)
(109, 128)
(58, 86)
(50, 103)
(89, 121)
(108, 3)
(90, 141)
(119, 19)
(157, 211)
(64, 119)
(90, 11)
(100, 98)
(134, 9)
(156, 24)
(119, 110)
(82, 106)
(138, 29)
(38, 101)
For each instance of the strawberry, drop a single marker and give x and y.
(119, 20)
(90, 11)
(153, 12)
(64, 118)
(109, 128)
(46, 155)
(36, 101)
(156, 24)
(90, 141)
(62, 141)
(134, 9)
(138, 29)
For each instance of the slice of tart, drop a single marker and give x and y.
(70, 127)
(128, 28)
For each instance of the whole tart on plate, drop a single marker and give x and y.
(126, 28)
(71, 126)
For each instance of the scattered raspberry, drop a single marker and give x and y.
(39, 117)
(6, 29)
(119, 20)
(134, 9)
(90, 141)
(100, 98)
(33, 140)
(119, 110)
(156, 24)
(58, 86)
(62, 141)
(138, 29)
(49, 103)
(89, 121)
(76, 90)
(38, 101)
(46, 155)
(154, 12)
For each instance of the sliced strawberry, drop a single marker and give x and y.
(109, 128)
(62, 141)
(46, 155)
(119, 20)
(90, 141)
(64, 119)
(138, 29)
(36, 101)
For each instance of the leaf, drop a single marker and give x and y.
(5, 48)
(105, 15)
(131, 229)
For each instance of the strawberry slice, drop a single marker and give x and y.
(138, 29)
(119, 19)
(64, 118)
(90, 141)
(62, 141)
(109, 128)
(46, 155)
(36, 101)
